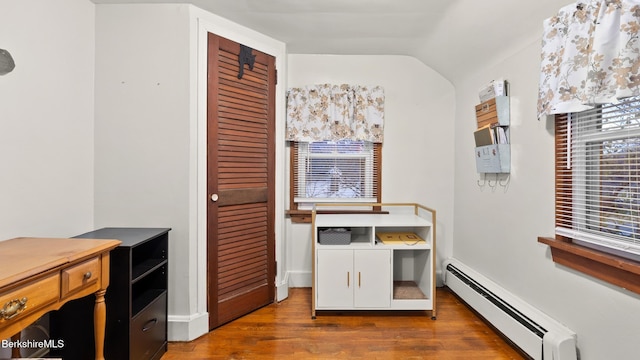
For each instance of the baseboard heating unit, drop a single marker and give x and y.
(535, 333)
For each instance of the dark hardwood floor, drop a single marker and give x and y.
(286, 331)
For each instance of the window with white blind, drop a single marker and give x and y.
(598, 178)
(335, 171)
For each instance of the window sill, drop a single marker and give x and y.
(610, 268)
(300, 216)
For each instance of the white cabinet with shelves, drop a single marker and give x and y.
(368, 273)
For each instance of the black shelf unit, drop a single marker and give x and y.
(136, 300)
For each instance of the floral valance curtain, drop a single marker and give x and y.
(590, 55)
(335, 112)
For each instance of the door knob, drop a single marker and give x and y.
(214, 197)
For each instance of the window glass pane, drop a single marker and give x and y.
(605, 185)
(614, 192)
(622, 116)
(334, 178)
(335, 170)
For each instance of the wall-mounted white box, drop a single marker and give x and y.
(493, 158)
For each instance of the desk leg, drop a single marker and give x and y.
(99, 323)
(15, 352)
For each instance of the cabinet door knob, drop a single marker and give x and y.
(214, 197)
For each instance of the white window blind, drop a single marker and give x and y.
(598, 177)
(336, 171)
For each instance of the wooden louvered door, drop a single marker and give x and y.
(240, 182)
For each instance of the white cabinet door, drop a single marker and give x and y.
(372, 277)
(334, 287)
(348, 279)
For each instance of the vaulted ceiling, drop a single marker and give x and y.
(450, 36)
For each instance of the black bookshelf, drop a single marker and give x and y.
(136, 300)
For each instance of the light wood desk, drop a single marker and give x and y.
(38, 275)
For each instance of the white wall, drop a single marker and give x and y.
(46, 121)
(496, 230)
(142, 131)
(46, 118)
(417, 156)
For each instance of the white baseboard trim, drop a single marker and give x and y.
(282, 288)
(187, 327)
(299, 278)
